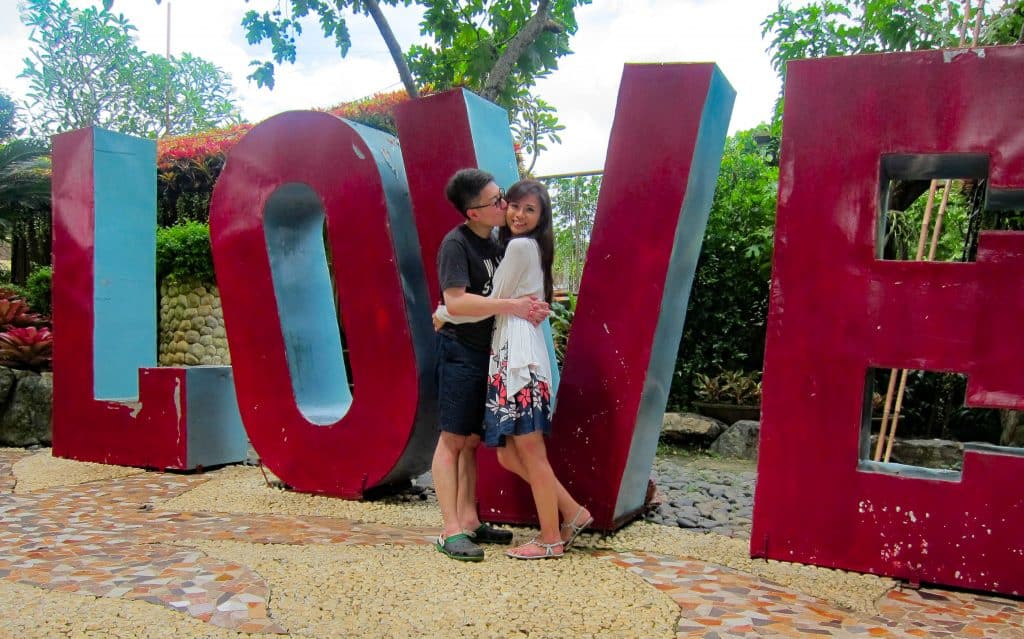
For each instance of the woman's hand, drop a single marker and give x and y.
(539, 311)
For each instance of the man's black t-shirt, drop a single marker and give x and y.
(466, 260)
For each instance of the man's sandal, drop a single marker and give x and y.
(488, 534)
(459, 546)
(549, 550)
(575, 528)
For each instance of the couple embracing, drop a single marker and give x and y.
(493, 370)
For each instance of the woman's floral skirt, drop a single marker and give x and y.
(527, 412)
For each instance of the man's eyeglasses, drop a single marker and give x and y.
(495, 202)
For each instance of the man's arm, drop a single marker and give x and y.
(459, 302)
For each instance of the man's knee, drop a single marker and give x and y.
(449, 446)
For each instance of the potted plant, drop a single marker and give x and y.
(729, 396)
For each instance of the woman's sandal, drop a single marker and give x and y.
(549, 550)
(575, 528)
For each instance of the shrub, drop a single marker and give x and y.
(14, 313)
(728, 308)
(561, 321)
(39, 289)
(183, 252)
(729, 387)
(27, 348)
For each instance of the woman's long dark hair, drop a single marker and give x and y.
(544, 233)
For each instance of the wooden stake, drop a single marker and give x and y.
(937, 231)
(926, 221)
(896, 415)
(885, 415)
(922, 236)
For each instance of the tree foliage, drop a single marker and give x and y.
(574, 204)
(8, 112)
(848, 27)
(497, 48)
(84, 69)
(535, 126)
(728, 307)
(1005, 25)
(24, 181)
(470, 39)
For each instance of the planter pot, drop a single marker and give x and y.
(728, 413)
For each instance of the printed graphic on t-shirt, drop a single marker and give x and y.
(491, 265)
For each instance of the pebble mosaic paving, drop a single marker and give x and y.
(105, 539)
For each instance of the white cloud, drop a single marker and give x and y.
(584, 89)
(611, 34)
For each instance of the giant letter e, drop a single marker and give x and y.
(837, 311)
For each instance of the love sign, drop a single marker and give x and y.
(383, 208)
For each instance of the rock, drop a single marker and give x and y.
(739, 440)
(27, 418)
(927, 453)
(690, 429)
(7, 382)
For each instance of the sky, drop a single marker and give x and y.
(584, 88)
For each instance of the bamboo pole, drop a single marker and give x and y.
(937, 231)
(885, 415)
(922, 237)
(933, 245)
(926, 221)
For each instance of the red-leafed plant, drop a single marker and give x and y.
(28, 348)
(15, 313)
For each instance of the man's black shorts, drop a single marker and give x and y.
(461, 386)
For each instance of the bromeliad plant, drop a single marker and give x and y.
(26, 341)
(14, 313)
(729, 387)
(28, 348)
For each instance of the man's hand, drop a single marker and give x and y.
(437, 323)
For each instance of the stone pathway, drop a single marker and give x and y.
(705, 499)
(105, 539)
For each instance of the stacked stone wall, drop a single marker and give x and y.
(191, 330)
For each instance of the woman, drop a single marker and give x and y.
(518, 411)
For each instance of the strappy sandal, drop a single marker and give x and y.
(549, 550)
(575, 528)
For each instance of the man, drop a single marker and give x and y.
(466, 262)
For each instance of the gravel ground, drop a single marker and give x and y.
(29, 612)
(242, 489)
(42, 470)
(338, 590)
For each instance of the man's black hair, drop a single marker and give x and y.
(465, 186)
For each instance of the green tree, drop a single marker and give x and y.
(25, 204)
(497, 48)
(1006, 25)
(84, 69)
(848, 27)
(24, 181)
(728, 307)
(7, 117)
(574, 204)
(535, 125)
